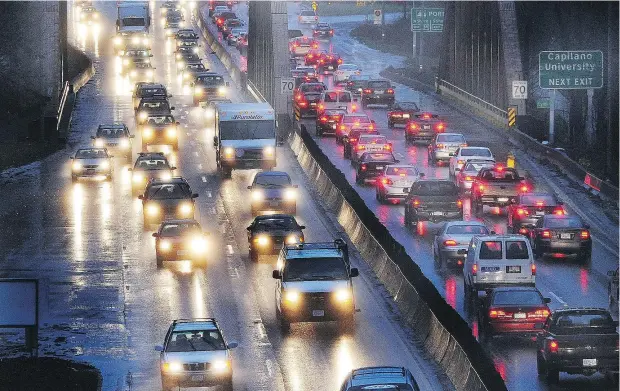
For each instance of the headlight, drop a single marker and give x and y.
(220, 365)
(178, 56)
(135, 40)
(171, 132)
(290, 194)
(77, 166)
(229, 152)
(166, 176)
(105, 164)
(195, 49)
(262, 240)
(152, 209)
(269, 151)
(209, 113)
(142, 116)
(292, 239)
(125, 61)
(165, 245)
(149, 73)
(124, 143)
(133, 73)
(174, 367)
(99, 143)
(199, 245)
(180, 64)
(145, 41)
(198, 91)
(257, 195)
(137, 177)
(221, 90)
(147, 133)
(291, 296)
(118, 40)
(185, 209)
(343, 295)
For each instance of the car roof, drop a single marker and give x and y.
(515, 288)
(378, 375)
(189, 325)
(274, 216)
(174, 179)
(450, 134)
(313, 253)
(500, 237)
(469, 222)
(180, 221)
(271, 173)
(92, 149)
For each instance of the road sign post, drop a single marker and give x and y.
(427, 20)
(378, 16)
(552, 118)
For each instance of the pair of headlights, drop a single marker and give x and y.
(148, 133)
(185, 209)
(289, 195)
(197, 245)
(104, 165)
(264, 240)
(177, 367)
(341, 295)
(123, 143)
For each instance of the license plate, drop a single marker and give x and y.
(540, 213)
(379, 167)
(198, 377)
(90, 170)
(378, 92)
(513, 269)
(330, 67)
(519, 315)
(274, 203)
(182, 252)
(313, 104)
(502, 199)
(318, 312)
(406, 190)
(426, 127)
(343, 107)
(405, 115)
(565, 236)
(489, 269)
(589, 362)
(437, 213)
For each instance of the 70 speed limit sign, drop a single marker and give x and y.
(287, 85)
(519, 89)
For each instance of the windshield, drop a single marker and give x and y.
(505, 174)
(477, 166)
(133, 22)
(517, 298)
(247, 130)
(318, 88)
(586, 323)
(210, 79)
(272, 180)
(199, 340)
(538, 200)
(196, 67)
(153, 91)
(352, 119)
(476, 152)
(156, 105)
(163, 120)
(91, 154)
(563, 222)
(154, 164)
(307, 13)
(467, 230)
(276, 223)
(368, 157)
(168, 191)
(170, 230)
(402, 171)
(315, 269)
(366, 139)
(450, 138)
(110, 133)
(437, 188)
(379, 84)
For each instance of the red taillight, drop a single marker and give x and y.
(303, 104)
(494, 314)
(449, 242)
(533, 269)
(480, 187)
(440, 146)
(387, 147)
(413, 126)
(522, 212)
(474, 269)
(352, 140)
(459, 203)
(353, 107)
(321, 107)
(523, 231)
(426, 116)
(386, 181)
(460, 162)
(323, 119)
(361, 147)
(342, 127)
(525, 188)
(546, 234)
(390, 91)
(553, 346)
(440, 126)
(367, 91)
(331, 31)
(468, 178)
(585, 234)
(340, 61)
(499, 168)
(298, 97)
(315, 46)
(416, 203)
(559, 212)
(363, 167)
(540, 203)
(542, 313)
(310, 56)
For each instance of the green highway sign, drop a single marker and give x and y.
(571, 69)
(427, 20)
(543, 103)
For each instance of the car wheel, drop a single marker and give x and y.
(540, 365)
(390, 125)
(160, 261)
(253, 256)
(552, 375)
(585, 257)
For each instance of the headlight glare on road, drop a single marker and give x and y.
(133, 73)
(257, 195)
(199, 245)
(185, 209)
(77, 166)
(171, 132)
(262, 240)
(229, 152)
(291, 296)
(165, 245)
(290, 194)
(209, 113)
(152, 209)
(220, 365)
(105, 164)
(147, 133)
(343, 295)
(99, 143)
(142, 116)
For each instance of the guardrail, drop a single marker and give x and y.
(442, 331)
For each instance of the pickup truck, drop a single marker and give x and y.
(497, 186)
(433, 200)
(578, 341)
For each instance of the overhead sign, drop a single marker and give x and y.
(287, 85)
(519, 89)
(427, 20)
(19, 303)
(378, 18)
(572, 69)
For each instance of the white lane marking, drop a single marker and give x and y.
(200, 166)
(204, 179)
(399, 154)
(209, 195)
(230, 249)
(196, 153)
(269, 366)
(565, 304)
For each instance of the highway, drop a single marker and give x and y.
(108, 304)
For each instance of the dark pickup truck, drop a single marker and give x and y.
(497, 186)
(433, 200)
(578, 341)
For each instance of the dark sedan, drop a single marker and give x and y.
(371, 166)
(560, 236)
(401, 112)
(273, 191)
(267, 234)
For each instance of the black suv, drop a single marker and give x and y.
(167, 199)
(148, 166)
(378, 92)
(433, 200)
(267, 234)
(148, 90)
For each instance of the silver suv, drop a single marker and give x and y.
(380, 378)
(195, 354)
(314, 284)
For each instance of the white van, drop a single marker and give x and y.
(498, 260)
(337, 100)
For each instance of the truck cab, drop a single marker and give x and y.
(245, 137)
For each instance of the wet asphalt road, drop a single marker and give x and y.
(104, 300)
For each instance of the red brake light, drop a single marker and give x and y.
(315, 46)
(522, 212)
(361, 147)
(367, 91)
(525, 189)
(540, 203)
(331, 31)
(440, 146)
(323, 119)
(585, 234)
(363, 167)
(413, 126)
(390, 91)
(541, 313)
(426, 116)
(440, 126)
(449, 242)
(499, 168)
(468, 178)
(474, 269)
(340, 61)
(459, 203)
(416, 202)
(559, 212)
(388, 147)
(310, 55)
(496, 314)
(386, 181)
(533, 269)
(342, 127)
(546, 234)
(480, 187)
(523, 231)
(553, 346)
(460, 162)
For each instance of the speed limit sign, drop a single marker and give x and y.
(287, 85)
(378, 18)
(519, 89)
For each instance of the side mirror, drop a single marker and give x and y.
(159, 348)
(169, 95)
(462, 252)
(276, 274)
(227, 84)
(195, 195)
(155, 235)
(173, 108)
(150, 55)
(547, 300)
(302, 227)
(296, 186)
(232, 345)
(111, 156)
(141, 197)
(249, 187)
(354, 272)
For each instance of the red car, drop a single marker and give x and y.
(401, 113)
(351, 121)
(314, 56)
(328, 63)
(514, 311)
(423, 127)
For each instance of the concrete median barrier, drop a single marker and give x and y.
(444, 334)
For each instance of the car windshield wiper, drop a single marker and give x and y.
(323, 278)
(192, 345)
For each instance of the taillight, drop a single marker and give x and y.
(553, 346)
(413, 126)
(331, 31)
(361, 147)
(426, 116)
(559, 212)
(449, 242)
(298, 97)
(323, 119)
(321, 107)
(542, 313)
(474, 269)
(367, 91)
(352, 140)
(387, 147)
(480, 187)
(468, 178)
(353, 107)
(546, 234)
(363, 167)
(585, 234)
(440, 126)
(493, 314)
(459, 203)
(340, 61)
(386, 181)
(303, 103)
(524, 188)
(342, 127)
(315, 46)
(533, 269)
(522, 212)
(416, 203)
(460, 162)
(390, 91)
(523, 231)
(310, 56)
(440, 146)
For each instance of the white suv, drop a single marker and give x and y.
(195, 354)
(497, 260)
